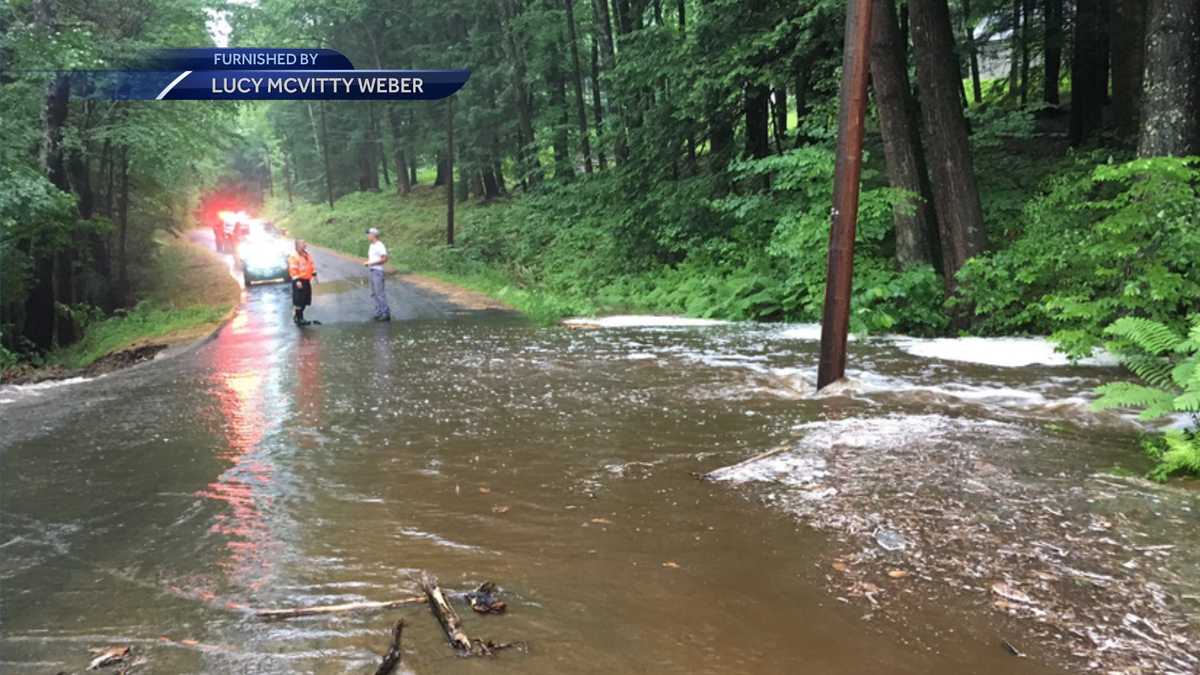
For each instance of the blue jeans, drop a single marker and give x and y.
(378, 294)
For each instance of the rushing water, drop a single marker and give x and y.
(277, 468)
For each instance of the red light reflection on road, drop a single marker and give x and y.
(243, 360)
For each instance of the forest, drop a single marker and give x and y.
(1031, 164)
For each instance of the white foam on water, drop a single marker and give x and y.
(642, 321)
(804, 465)
(802, 331)
(1005, 352)
(11, 393)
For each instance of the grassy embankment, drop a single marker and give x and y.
(186, 293)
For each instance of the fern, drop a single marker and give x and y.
(1168, 365)
(1148, 336)
(1176, 452)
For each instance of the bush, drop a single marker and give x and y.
(1117, 240)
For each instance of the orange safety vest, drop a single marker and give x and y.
(301, 266)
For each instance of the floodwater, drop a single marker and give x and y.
(275, 467)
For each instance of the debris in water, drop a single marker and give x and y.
(108, 657)
(1008, 646)
(890, 540)
(484, 601)
(1009, 593)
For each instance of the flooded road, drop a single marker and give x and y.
(276, 467)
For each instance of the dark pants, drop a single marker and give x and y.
(301, 293)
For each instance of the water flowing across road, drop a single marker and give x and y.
(927, 513)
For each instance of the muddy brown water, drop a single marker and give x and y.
(275, 468)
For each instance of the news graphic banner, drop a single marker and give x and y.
(241, 74)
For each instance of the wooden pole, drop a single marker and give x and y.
(450, 172)
(840, 276)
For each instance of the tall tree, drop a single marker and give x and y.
(1052, 50)
(580, 109)
(968, 28)
(901, 136)
(1128, 46)
(952, 174)
(1171, 107)
(1089, 71)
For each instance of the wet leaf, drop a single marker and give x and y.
(839, 566)
(897, 574)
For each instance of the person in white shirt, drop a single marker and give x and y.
(377, 256)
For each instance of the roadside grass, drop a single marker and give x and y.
(186, 294)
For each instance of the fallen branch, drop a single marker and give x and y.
(272, 614)
(445, 614)
(393, 656)
(749, 460)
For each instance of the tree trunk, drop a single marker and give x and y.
(580, 109)
(450, 171)
(955, 192)
(602, 20)
(528, 162)
(1052, 50)
(1026, 10)
(564, 164)
(42, 321)
(403, 181)
(757, 99)
(1089, 69)
(1171, 104)
(901, 136)
(779, 113)
(123, 230)
(324, 145)
(1014, 52)
(598, 106)
(287, 169)
(968, 29)
(1128, 29)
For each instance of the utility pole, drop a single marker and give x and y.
(840, 276)
(450, 172)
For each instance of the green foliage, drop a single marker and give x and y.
(1168, 363)
(1100, 243)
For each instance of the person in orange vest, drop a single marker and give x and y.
(303, 272)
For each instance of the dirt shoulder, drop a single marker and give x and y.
(188, 294)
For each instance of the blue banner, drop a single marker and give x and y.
(261, 74)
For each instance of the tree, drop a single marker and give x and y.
(1171, 104)
(901, 136)
(1089, 72)
(955, 192)
(580, 109)
(1128, 44)
(1052, 50)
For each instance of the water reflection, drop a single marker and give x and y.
(246, 377)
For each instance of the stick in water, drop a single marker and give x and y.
(393, 656)
(335, 609)
(445, 614)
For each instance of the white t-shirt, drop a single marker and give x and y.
(376, 253)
